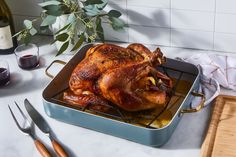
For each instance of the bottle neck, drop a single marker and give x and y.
(5, 14)
(3, 5)
(2, 2)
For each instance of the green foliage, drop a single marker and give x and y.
(62, 37)
(49, 20)
(85, 21)
(91, 2)
(99, 29)
(47, 3)
(79, 42)
(62, 29)
(28, 24)
(114, 13)
(116, 23)
(63, 48)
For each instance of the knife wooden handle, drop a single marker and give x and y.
(59, 149)
(42, 149)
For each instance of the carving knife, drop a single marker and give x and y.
(44, 127)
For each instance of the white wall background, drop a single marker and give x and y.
(198, 24)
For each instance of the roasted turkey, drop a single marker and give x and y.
(126, 77)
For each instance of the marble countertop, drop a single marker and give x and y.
(185, 141)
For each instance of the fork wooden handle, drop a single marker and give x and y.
(59, 149)
(42, 149)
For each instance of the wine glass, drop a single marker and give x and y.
(27, 56)
(4, 73)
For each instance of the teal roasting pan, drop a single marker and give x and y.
(152, 128)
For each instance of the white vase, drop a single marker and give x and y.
(61, 21)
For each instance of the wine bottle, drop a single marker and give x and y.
(7, 43)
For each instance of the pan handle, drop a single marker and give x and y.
(55, 61)
(199, 107)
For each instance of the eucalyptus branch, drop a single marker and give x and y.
(89, 14)
(78, 17)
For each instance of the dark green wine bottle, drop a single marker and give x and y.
(7, 43)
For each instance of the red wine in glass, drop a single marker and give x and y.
(4, 76)
(28, 61)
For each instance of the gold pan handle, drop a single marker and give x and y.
(199, 107)
(55, 61)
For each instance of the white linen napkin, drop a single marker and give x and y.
(216, 70)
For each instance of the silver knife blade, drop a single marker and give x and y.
(36, 117)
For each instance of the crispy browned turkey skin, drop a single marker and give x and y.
(123, 76)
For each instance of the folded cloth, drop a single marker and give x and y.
(215, 70)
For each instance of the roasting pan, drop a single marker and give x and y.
(152, 128)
